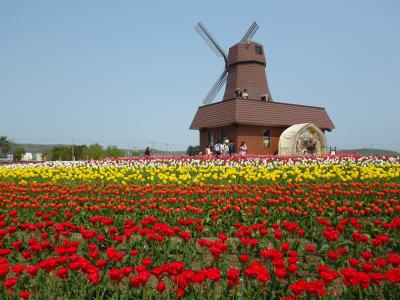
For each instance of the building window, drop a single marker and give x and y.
(211, 138)
(265, 97)
(259, 50)
(266, 137)
(224, 135)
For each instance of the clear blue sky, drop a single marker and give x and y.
(131, 72)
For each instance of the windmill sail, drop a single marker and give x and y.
(216, 47)
(210, 40)
(250, 32)
(216, 87)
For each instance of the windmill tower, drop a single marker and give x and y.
(244, 67)
(247, 111)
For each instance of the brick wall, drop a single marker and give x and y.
(252, 135)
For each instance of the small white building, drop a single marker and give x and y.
(27, 156)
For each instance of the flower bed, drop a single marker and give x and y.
(260, 227)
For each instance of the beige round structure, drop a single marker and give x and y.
(302, 139)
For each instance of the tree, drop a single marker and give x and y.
(61, 153)
(96, 151)
(114, 151)
(18, 153)
(81, 152)
(136, 153)
(4, 144)
(193, 150)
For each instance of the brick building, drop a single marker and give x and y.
(247, 111)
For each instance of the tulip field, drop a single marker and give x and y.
(259, 227)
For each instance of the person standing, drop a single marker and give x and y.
(208, 150)
(231, 147)
(225, 147)
(245, 94)
(218, 148)
(147, 152)
(243, 149)
(238, 93)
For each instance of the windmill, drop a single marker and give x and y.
(231, 61)
(246, 111)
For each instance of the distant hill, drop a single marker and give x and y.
(36, 148)
(371, 151)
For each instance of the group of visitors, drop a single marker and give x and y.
(226, 148)
(241, 94)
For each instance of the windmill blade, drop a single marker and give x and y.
(216, 87)
(210, 40)
(250, 32)
(206, 38)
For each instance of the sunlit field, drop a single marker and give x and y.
(262, 227)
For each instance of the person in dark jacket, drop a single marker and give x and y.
(147, 152)
(231, 147)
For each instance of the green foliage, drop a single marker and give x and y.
(135, 154)
(66, 152)
(61, 153)
(114, 151)
(81, 152)
(96, 151)
(4, 144)
(193, 150)
(18, 153)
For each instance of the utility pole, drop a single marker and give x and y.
(153, 145)
(168, 149)
(72, 151)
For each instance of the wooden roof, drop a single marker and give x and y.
(256, 112)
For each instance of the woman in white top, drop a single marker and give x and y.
(225, 147)
(245, 94)
(243, 149)
(208, 150)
